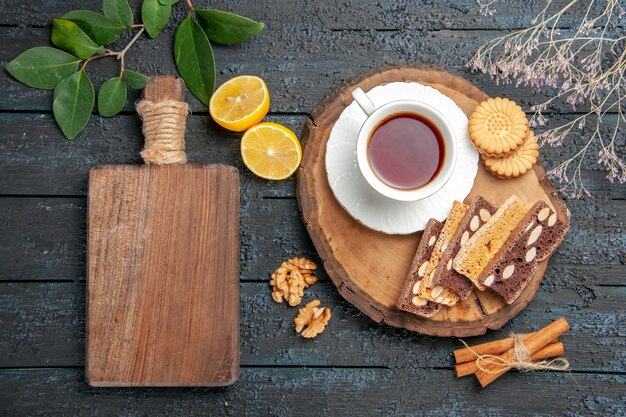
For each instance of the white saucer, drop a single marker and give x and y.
(369, 207)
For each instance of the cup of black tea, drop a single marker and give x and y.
(406, 149)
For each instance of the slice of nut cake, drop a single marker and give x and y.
(409, 300)
(480, 249)
(538, 234)
(428, 290)
(478, 213)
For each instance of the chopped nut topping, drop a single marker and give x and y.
(552, 220)
(419, 301)
(464, 238)
(508, 272)
(291, 278)
(489, 281)
(313, 317)
(530, 255)
(529, 226)
(543, 214)
(422, 271)
(436, 291)
(534, 235)
(474, 224)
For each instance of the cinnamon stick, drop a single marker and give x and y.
(533, 344)
(497, 347)
(550, 351)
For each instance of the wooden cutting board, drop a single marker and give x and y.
(368, 267)
(163, 271)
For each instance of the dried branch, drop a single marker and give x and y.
(587, 68)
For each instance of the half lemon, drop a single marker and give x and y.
(240, 103)
(271, 151)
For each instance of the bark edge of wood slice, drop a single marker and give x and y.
(368, 267)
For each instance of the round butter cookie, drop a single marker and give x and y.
(518, 163)
(498, 127)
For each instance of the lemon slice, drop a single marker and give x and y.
(271, 151)
(240, 103)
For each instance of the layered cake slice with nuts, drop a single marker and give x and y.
(550, 231)
(478, 213)
(484, 245)
(409, 299)
(428, 289)
(538, 234)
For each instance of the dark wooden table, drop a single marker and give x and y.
(356, 367)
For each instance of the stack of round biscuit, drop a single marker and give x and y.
(499, 129)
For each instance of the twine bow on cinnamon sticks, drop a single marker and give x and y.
(523, 352)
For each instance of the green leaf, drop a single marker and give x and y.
(135, 79)
(69, 37)
(194, 59)
(73, 103)
(112, 97)
(154, 16)
(100, 29)
(168, 2)
(118, 11)
(42, 67)
(227, 28)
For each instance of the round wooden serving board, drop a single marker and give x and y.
(368, 267)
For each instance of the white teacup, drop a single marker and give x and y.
(376, 116)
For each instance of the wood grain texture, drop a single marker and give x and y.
(35, 157)
(302, 61)
(45, 240)
(163, 272)
(369, 268)
(380, 15)
(164, 87)
(356, 366)
(45, 327)
(303, 392)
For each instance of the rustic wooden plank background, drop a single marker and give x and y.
(356, 367)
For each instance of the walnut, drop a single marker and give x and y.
(291, 278)
(303, 264)
(314, 317)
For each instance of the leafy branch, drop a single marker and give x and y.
(81, 37)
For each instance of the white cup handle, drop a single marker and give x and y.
(364, 102)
